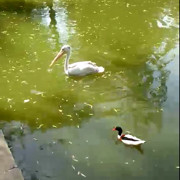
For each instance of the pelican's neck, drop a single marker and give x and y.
(66, 63)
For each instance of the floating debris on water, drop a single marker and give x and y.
(88, 105)
(9, 99)
(73, 167)
(33, 91)
(24, 82)
(74, 159)
(40, 126)
(49, 70)
(83, 175)
(4, 32)
(35, 139)
(26, 100)
(68, 115)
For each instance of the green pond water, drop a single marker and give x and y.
(59, 127)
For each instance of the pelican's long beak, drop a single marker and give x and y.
(60, 54)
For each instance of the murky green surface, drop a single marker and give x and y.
(60, 128)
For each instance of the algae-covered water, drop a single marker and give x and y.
(59, 127)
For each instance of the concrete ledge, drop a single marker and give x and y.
(8, 168)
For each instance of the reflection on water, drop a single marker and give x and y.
(42, 14)
(66, 122)
(57, 17)
(166, 21)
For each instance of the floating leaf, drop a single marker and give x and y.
(68, 115)
(4, 32)
(83, 175)
(26, 100)
(70, 142)
(60, 110)
(89, 105)
(24, 82)
(40, 126)
(75, 160)
(33, 91)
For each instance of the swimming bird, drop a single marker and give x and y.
(126, 138)
(79, 68)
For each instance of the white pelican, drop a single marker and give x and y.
(79, 68)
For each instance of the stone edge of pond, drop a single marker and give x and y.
(8, 167)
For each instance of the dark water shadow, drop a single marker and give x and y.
(19, 6)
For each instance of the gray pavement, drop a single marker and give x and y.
(8, 167)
